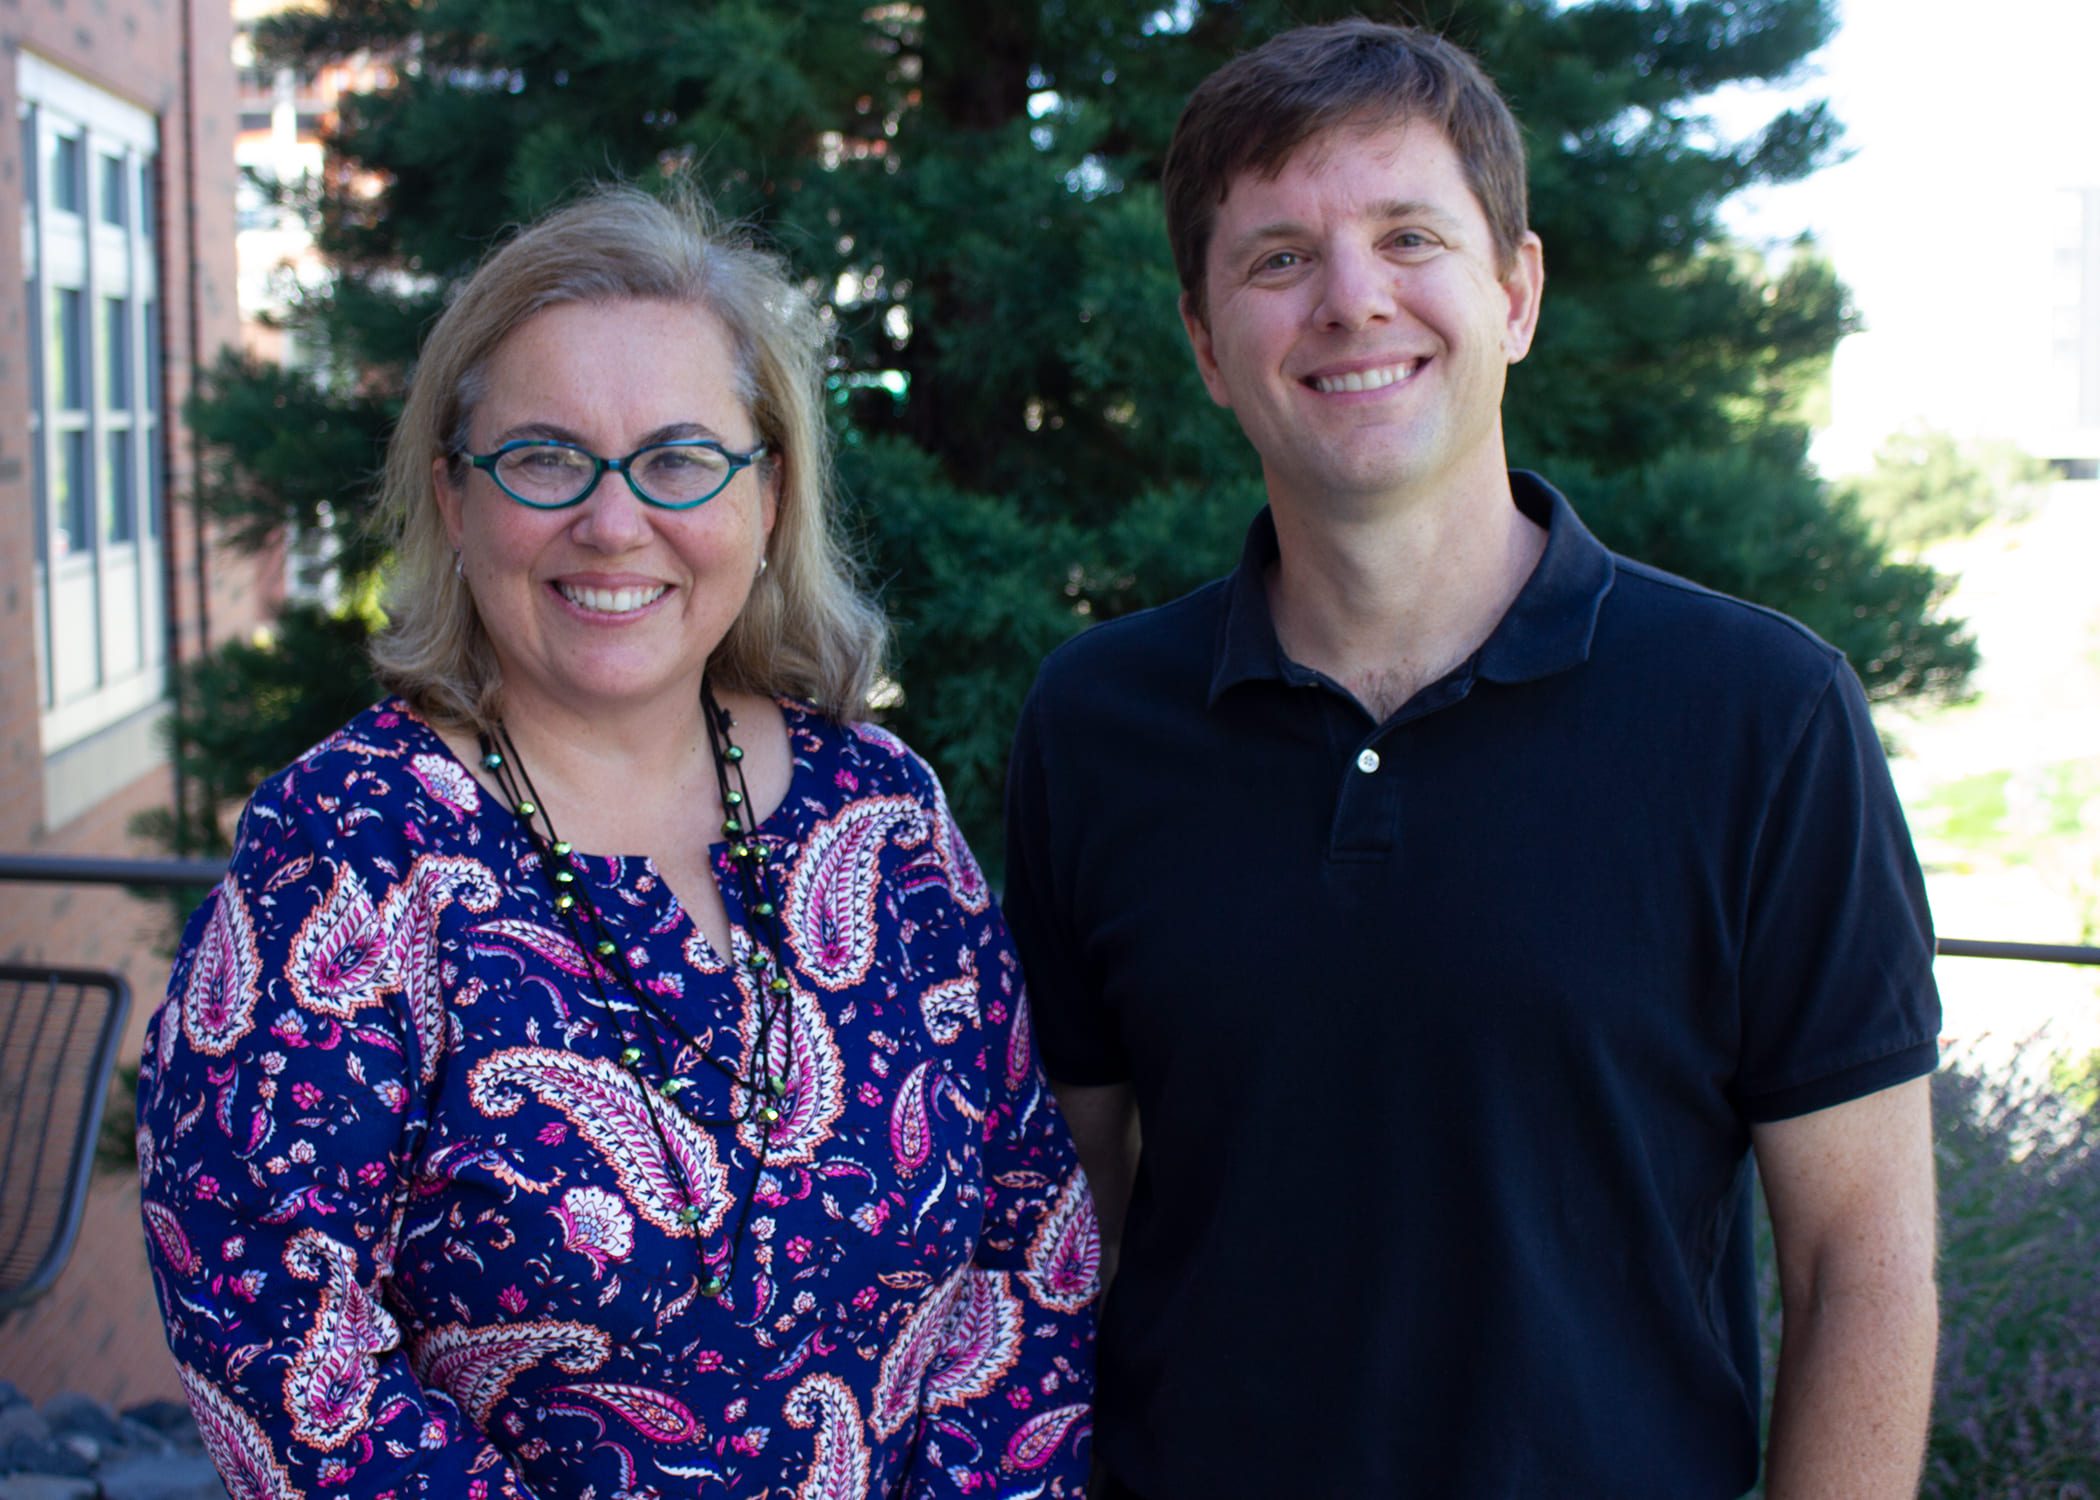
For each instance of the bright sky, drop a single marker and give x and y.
(1966, 122)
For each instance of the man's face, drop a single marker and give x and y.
(1358, 326)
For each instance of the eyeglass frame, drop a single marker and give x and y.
(738, 462)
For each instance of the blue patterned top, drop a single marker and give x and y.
(412, 1223)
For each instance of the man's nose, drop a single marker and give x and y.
(1356, 288)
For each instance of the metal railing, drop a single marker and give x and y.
(68, 869)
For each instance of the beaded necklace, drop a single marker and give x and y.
(761, 1091)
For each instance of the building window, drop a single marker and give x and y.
(94, 401)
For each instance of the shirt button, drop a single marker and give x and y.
(1367, 761)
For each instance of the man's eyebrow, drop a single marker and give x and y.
(1385, 212)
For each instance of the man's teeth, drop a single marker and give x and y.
(611, 601)
(1363, 380)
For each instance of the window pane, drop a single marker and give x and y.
(72, 495)
(116, 352)
(65, 173)
(69, 350)
(29, 162)
(113, 190)
(117, 501)
(147, 204)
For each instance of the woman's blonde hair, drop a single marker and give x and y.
(806, 630)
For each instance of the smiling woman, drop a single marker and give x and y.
(662, 1118)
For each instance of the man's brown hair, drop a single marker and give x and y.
(1251, 114)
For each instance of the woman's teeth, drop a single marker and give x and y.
(611, 601)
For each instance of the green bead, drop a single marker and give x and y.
(757, 960)
(671, 1086)
(689, 1214)
(732, 827)
(780, 986)
(561, 846)
(764, 908)
(527, 808)
(713, 1286)
(734, 799)
(734, 752)
(741, 851)
(629, 1056)
(564, 901)
(492, 761)
(606, 947)
(770, 1115)
(776, 1086)
(563, 877)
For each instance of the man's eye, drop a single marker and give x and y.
(1281, 260)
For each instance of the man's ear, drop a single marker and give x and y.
(1525, 287)
(1206, 357)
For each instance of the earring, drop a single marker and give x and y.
(458, 571)
(761, 567)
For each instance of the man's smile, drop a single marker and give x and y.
(1365, 380)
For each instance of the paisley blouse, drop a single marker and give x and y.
(417, 1231)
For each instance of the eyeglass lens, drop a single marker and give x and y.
(673, 474)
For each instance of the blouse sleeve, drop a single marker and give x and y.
(280, 1106)
(1008, 1402)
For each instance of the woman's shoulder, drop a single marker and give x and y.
(863, 758)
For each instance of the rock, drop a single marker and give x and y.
(187, 1477)
(71, 1413)
(171, 1417)
(45, 1487)
(26, 1455)
(23, 1421)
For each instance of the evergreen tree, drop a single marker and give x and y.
(970, 190)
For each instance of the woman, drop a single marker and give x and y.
(603, 1072)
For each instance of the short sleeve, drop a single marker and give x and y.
(1836, 984)
(1075, 1032)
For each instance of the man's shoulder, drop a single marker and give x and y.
(1730, 641)
(1169, 643)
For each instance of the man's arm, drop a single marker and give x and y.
(1850, 1190)
(1103, 1119)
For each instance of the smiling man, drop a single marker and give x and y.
(1429, 924)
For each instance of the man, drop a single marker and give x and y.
(1453, 909)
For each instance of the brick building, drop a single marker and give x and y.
(117, 212)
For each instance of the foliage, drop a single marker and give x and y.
(1926, 487)
(2017, 1405)
(969, 189)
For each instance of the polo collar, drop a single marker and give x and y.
(1546, 630)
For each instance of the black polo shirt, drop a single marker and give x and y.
(1448, 1032)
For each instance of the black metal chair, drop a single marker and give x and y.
(59, 1034)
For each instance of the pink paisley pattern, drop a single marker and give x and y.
(417, 1228)
(805, 1054)
(477, 1365)
(839, 1469)
(904, 1366)
(239, 1448)
(980, 1344)
(448, 782)
(656, 1416)
(1064, 1258)
(911, 1132)
(1037, 1440)
(328, 1389)
(218, 1001)
(605, 1104)
(831, 895)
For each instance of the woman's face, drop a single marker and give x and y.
(610, 605)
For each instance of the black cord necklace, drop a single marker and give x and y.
(761, 1090)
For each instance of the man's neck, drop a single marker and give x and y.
(1386, 600)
